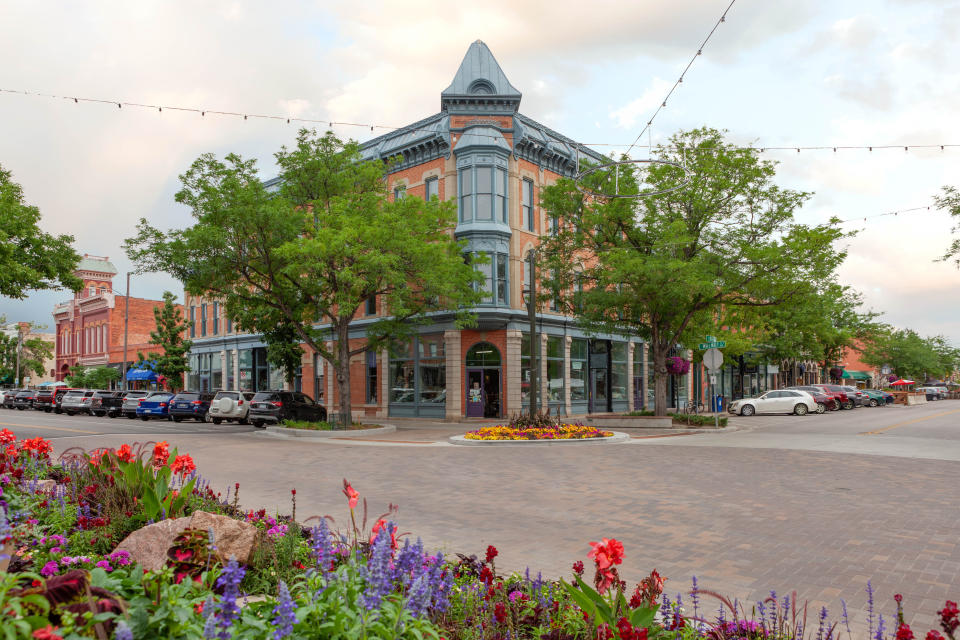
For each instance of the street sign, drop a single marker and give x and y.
(713, 379)
(716, 344)
(885, 370)
(712, 359)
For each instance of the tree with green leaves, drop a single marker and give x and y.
(171, 327)
(82, 377)
(283, 349)
(949, 200)
(716, 234)
(30, 259)
(310, 254)
(34, 352)
(911, 355)
(76, 378)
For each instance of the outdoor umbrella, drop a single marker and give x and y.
(901, 383)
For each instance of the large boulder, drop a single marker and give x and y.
(149, 545)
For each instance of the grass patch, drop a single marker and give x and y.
(691, 419)
(326, 426)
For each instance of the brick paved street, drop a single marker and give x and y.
(745, 519)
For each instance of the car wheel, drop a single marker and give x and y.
(99, 414)
(747, 410)
(144, 418)
(47, 410)
(216, 420)
(19, 408)
(176, 418)
(801, 409)
(821, 408)
(873, 402)
(258, 424)
(243, 421)
(131, 416)
(71, 413)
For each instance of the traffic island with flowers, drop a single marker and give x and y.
(537, 428)
(61, 522)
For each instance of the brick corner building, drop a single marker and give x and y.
(90, 326)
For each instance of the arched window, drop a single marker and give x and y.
(483, 354)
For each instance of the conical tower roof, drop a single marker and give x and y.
(480, 85)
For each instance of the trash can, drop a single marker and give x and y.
(718, 404)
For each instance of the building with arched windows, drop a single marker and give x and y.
(492, 160)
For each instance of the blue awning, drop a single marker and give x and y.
(142, 374)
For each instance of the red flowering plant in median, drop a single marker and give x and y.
(605, 606)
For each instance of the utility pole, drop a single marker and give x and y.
(126, 324)
(534, 338)
(16, 375)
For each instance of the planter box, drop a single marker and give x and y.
(631, 422)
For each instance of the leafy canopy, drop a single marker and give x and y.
(30, 259)
(172, 362)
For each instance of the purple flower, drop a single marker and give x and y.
(123, 632)
(228, 611)
(514, 595)
(49, 569)
(283, 612)
(322, 546)
(105, 565)
(377, 571)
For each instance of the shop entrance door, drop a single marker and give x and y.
(475, 400)
(598, 391)
(491, 393)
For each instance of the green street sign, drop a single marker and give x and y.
(719, 344)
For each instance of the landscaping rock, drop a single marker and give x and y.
(149, 545)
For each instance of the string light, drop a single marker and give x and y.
(723, 18)
(407, 129)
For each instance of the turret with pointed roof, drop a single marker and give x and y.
(480, 85)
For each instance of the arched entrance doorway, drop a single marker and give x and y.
(483, 388)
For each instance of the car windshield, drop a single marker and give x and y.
(265, 396)
(188, 396)
(233, 395)
(75, 394)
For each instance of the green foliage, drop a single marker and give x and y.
(950, 201)
(283, 348)
(910, 355)
(309, 256)
(720, 237)
(31, 259)
(81, 377)
(685, 418)
(168, 335)
(610, 608)
(34, 352)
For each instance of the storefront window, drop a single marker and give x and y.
(555, 377)
(318, 384)
(402, 375)
(245, 358)
(433, 369)
(578, 370)
(637, 376)
(193, 377)
(216, 371)
(618, 371)
(371, 377)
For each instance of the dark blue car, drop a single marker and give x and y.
(190, 405)
(156, 406)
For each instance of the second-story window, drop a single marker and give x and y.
(216, 318)
(495, 278)
(371, 308)
(193, 321)
(483, 194)
(526, 204)
(229, 325)
(431, 187)
(203, 319)
(398, 192)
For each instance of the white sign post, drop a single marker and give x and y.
(713, 360)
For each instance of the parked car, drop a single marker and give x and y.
(155, 406)
(277, 406)
(76, 401)
(58, 397)
(25, 399)
(944, 392)
(44, 400)
(846, 402)
(230, 405)
(97, 406)
(128, 408)
(876, 398)
(190, 405)
(931, 393)
(824, 402)
(8, 397)
(860, 399)
(779, 401)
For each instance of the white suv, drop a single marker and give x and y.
(230, 405)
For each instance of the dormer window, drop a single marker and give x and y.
(481, 87)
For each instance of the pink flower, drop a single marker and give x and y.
(105, 565)
(49, 569)
(351, 494)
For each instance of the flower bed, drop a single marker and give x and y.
(61, 522)
(553, 432)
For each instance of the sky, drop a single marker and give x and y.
(812, 73)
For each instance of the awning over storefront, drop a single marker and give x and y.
(142, 374)
(856, 375)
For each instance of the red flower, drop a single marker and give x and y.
(293, 492)
(604, 632)
(351, 494)
(948, 617)
(492, 553)
(904, 632)
(486, 575)
(898, 598)
(606, 553)
(124, 453)
(6, 436)
(47, 633)
(198, 608)
(161, 453)
(934, 635)
(578, 568)
(183, 464)
(379, 526)
(500, 612)
(605, 579)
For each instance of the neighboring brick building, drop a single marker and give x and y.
(89, 327)
(480, 152)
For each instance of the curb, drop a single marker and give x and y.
(618, 437)
(284, 432)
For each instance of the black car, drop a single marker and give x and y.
(25, 400)
(44, 400)
(101, 403)
(277, 406)
(190, 405)
(7, 397)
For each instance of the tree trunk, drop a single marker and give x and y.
(659, 355)
(342, 370)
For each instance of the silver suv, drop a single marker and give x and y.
(77, 401)
(230, 405)
(132, 400)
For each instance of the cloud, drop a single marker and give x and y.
(644, 106)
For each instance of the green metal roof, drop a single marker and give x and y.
(95, 263)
